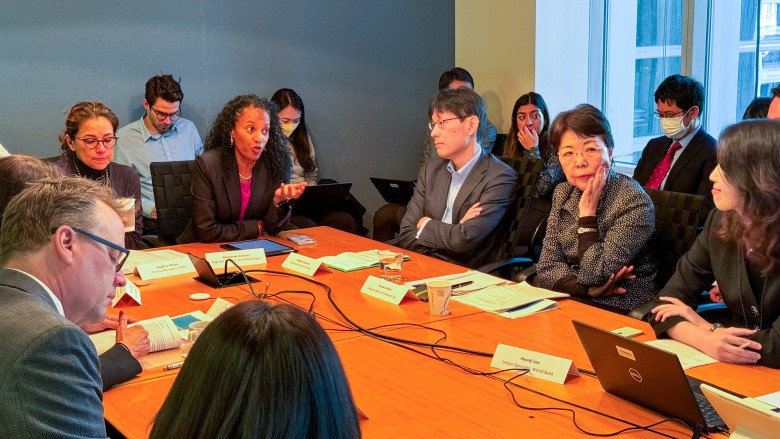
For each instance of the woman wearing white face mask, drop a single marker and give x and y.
(346, 217)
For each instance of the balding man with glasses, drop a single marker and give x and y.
(61, 255)
(161, 135)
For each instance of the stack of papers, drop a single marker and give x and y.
(503, 298)
(351, 261)
(689, 356)
(470, 281)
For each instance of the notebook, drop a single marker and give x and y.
(321, 198)
(646, 376)
(746, 417)
(207, 275)
(394, 191)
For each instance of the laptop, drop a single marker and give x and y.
(321, 198)
(745, 417)
(647, 376)
(207, 275)
(394, 191)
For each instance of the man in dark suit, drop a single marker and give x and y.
(61, 258)
(684, 157)
(461, 204)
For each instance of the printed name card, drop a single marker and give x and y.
(546, 367)
(171, 267)
(255, 256)
(386, 290)
(304, 264)
(127, 295)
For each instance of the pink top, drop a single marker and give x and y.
(246, 189)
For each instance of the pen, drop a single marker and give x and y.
(173, 366)
(462, 284)
(744, 345)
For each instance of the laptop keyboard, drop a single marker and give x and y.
(710, 415)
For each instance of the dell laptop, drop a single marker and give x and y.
(648, 376)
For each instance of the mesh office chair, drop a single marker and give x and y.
(676, 227)
(528, 171)
(173, 198)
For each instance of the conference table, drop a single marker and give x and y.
(409, 392)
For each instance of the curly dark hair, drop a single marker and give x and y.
(275, 154)
(749, 159)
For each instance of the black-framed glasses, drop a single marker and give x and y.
(92, 143)
(125, 252)
(162, 116)
(441, 123)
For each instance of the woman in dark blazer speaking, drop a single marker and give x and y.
(740, 249)
(238, 188)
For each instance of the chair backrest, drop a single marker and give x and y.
(528, 170)
(676, 226)
(498, 147)
(172, 197)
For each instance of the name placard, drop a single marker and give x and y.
(386, 290)
(304, 264)
(171, 267)
(127, 295)
(255, 256)
(543, 366)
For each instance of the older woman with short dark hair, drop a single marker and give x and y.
(602, 220)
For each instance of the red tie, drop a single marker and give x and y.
(660, 171)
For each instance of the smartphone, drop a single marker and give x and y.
(301, 240)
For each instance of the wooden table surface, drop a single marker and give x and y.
(406, 394)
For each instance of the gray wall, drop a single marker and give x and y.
(364, 68)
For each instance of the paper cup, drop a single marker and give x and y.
(195, 329)
(439, 297)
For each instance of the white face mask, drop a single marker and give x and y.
(674, 127)
(288, 128)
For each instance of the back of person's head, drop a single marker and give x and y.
(683, 91)
(16, 171)
(757, 109)
(165, 87)
(461, 102)
(299, 138)
(81, 112)
(260, 371)
(44, 205)
(531, 98)
(455, 74)
(749, 160)
(584, 120)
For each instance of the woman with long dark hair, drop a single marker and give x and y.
(239, 186)
(260, 371)
(740, 249)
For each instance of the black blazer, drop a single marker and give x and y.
(691, 171)
(216, 201)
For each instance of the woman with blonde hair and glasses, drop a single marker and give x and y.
(88, 151)
(602, 220)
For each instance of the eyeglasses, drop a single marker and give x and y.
(92, 143)
(162, 116)
(667, 115)
(590, 152)
(441, 123)
(125, 252)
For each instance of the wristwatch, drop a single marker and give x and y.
(582, 230)
(282, 204)
(715, 326)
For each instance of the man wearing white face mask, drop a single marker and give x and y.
(682, 159)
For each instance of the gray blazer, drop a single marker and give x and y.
(50, 382)
(474, 243)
